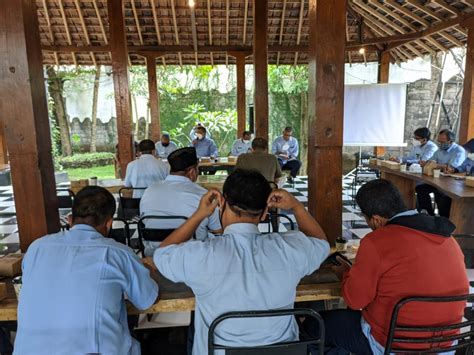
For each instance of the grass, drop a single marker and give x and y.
(101, 172)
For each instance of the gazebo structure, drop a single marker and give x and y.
(324, 34)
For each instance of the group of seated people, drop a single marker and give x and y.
(75, 283)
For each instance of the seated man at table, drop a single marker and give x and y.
(467, 167)
(205, 147)
(423, 147)
(243, 269)
(259, 160)
(407, 254)
(74, 286)
(146, 169)
(286, 149)
(177, 195)
(242, 145)
(449, 155)
(165, 146)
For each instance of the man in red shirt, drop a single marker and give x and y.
(407, 254)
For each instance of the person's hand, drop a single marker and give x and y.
(208, 203)
(442, 167)
(449, 170)
(282, 199)
(340, 270)
(395, 159)
(194, 142)
(283, 155)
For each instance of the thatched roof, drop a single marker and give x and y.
(69, 28)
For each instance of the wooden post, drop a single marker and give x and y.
(383, 75)
(241, 105)
(466, 127)
(119, 54)
(327, 23)
(24, 113)
(260, 51)
(154, 99)
(3, 146)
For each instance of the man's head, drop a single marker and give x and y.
(244, 197)
(165, 139)
(95, 206)
(287, 133)
(184, 162)
(146, 146)
(445, 139)
(259, 144)
(201, 132)
(421, 135)
(379, 200)
(246, 136)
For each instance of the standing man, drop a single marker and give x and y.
(75, 283)
(423, 147)
(205, 147)
(165, 146)
(286, 149)
(242, 145)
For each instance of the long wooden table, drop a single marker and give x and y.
(212, 181)
(462, 206)
(220, 164)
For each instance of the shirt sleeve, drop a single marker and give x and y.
(214, 223)
(275, 146)
(128, 177)
(359, 285)
(435, 156)
(463, 167)
(295, 150)
(429, 152)
(234, 151)
(458, 158)
(213, 149)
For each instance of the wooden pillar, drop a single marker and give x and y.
(383, 75)
(241, 104)
(154, 99)
(24, 113)
(260, 54)
(119, 54)
(327, 23)
(3, 146)
(466, 127)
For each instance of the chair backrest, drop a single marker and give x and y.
(129, 206)
(65, 198)
(287, 348)
(120, 234)
(428, 339)
(273, 222)
(153, 234)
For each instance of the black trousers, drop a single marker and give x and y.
(424, 200)
(292, 165)
(343, 333)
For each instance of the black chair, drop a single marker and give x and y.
(65, 200)
(272, 219)
(431, 343)
(286, 348)
(129, 208)
(121, 234)
(154, 234)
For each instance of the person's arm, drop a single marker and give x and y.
(128, 176)
(275, 147)
(429, 152)
(213, 148)
(234, 151)
(213, 223)
(306, 223)
(458, 158)
(295, 151)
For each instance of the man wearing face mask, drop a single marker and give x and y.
(242, 146)
(205, 147)
(449, 155)
(423, 148)
(468, 166)
(407, 254)
(177, 195)
(74, 286)
(165, 146)
(286, 149)
(243, 269)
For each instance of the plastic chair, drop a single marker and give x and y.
(273, 222)
(299, 347)
(65, 200)
(122, 234)
(129, 208)
(430, 344)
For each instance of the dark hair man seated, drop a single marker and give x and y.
(407, 254)
(74, 284)
(243, 269)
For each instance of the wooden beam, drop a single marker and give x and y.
(419, 6)
(137, 22)
(241, 102)
(282, 23)
(3, 146)
(209, 25)
(246, 10)
(445, 6)
(66, 27)
(300, 25)
(194, 33)
(157, 27)
(50, 30)
(407, 13)
(153, 99)
(175, 26)
(260, 64)
(326, 113)
(84, 29)
(466, 128)
(25, 121)
(383, 77)
(119, 53)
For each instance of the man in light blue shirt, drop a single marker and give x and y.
(468, 166)
(449, 155)
(423, 148)
(205, 147)
(75, 284)
(286, 149)
(243, 269)
(165, 146)
(242, 145)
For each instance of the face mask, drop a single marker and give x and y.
(165, 144)
(246, 141)
(199, 136)
(444, 146)
(471, 156)
(416, 142)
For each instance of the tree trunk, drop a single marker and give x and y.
(55, 88)
(304, 133)
(95, 97)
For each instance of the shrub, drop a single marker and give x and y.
(87, 160)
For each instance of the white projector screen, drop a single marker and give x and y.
(374, 115)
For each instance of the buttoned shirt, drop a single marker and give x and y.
(145, 171)
(240, 147)
(453, 157)
(466, 167)
(162, 151)
(205, 147)
(243, 270)
(290, 147)
(421, 153)
(73, 295)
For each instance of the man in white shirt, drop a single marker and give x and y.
(177, 195)
(242, 145)
(146, 169)
(165, 146)
(286, 149)
(243, 269)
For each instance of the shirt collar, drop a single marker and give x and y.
(147, 156)
(404, 214)
(177, 178)
(87, 229)
(242, 228)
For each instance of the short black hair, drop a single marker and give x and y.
(380, 197)
(146, 146)
(182, 159)
(422, 132)
(288, 129)
(93, 205)
(448, 133)
(201, 129)
(260, 143)
(247, 133)
(247, 191)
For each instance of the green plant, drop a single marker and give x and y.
(87, 160)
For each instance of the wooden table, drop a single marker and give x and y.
(221, 164)
(212, 181)
(462, 206)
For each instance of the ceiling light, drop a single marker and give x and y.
(362, 50)
(191, 3)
